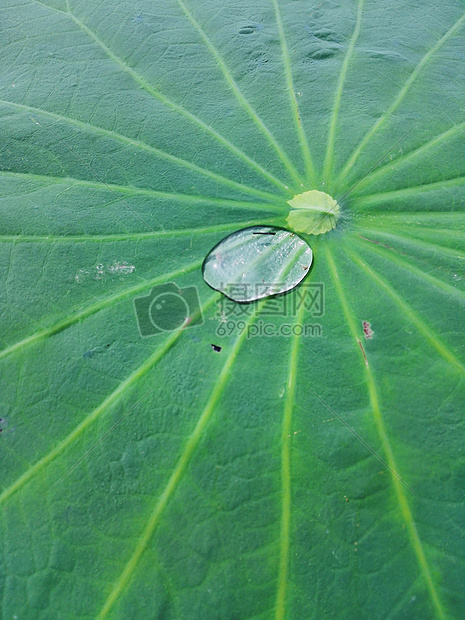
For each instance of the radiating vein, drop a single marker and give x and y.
(182, 163)
(400, 161)
(284, 543)
(310, 172)
(412, 217)
(415, 231)
(97, 443)
(141, 191)
(94, 415)
(436, 283)
(189, 448)
(410, 313)
(142, 82)
(96, 307)
(382, 432)
(406, 192)
(329, 157)
(402, 93)
(240, 97)
(182, 232)
(95, 174)
(419, 243)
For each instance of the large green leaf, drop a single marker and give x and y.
(297, 477)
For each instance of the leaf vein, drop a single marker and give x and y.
(93, 309)
(328, 162)
(177, 107)
(293, 100)
(239, 95)
(379, 422)
(96, 413)
(284, 543)
(189, 448)
(141, 145)
(421, 326)
(401, 95)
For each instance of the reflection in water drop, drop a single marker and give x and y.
(257, 262)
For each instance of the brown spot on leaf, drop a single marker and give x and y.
(363, 352)
(369, 333)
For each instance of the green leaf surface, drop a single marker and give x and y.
(287, 476)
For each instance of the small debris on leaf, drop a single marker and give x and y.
(369, 333)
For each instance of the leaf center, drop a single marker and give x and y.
(313, 212)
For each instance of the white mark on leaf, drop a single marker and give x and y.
(101, 270)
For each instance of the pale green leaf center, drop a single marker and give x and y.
(313, 212)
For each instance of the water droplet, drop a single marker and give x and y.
(256, 262)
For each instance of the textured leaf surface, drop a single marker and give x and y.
(159, 478)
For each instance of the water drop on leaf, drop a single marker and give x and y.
(256, 262)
